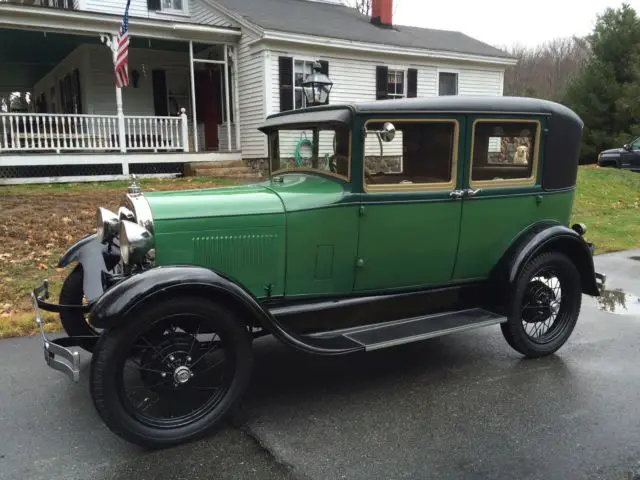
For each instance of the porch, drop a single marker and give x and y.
(61, 115)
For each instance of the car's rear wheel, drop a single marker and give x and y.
(170, 373)
(545, 305)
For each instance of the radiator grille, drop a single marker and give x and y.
(236, 254)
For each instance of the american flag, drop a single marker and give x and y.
(121, 56)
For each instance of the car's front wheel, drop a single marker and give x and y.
(545, 305)
(171, 372)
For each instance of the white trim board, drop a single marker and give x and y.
(114, 158)
(82, 178)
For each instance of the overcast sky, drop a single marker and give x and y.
(506, 22)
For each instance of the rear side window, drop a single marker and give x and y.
(505, 152)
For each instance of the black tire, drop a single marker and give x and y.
(74, 323)
(528, 306)
(107, 366)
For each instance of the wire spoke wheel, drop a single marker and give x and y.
(542, 309)
(546, 305)
(176, 371)
(171, 371)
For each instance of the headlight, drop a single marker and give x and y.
(106, 224)
(135, 242)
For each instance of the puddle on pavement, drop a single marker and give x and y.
(636, 258)
(619, 302)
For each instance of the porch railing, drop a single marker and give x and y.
(39, 132)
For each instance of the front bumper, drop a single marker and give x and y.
(56, 353)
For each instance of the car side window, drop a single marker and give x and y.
(504, 152)
(421, 156)
(636, 144)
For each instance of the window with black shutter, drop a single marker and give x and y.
(160, 101)
(412, 83)
(285, 69)
(382, 82)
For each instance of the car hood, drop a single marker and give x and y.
(294, 192)
(214, 202)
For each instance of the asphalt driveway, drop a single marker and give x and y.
(462, 406)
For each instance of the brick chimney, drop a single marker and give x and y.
(382, 12)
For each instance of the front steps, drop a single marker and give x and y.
(227, 169)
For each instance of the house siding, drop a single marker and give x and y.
(196, 11)
(354, 81)
(135, 101)
(251, 88)
(76, 59)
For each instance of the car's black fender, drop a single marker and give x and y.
(545, 237)
(95, 259)
(119, 303)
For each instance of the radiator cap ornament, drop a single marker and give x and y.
(133, 188)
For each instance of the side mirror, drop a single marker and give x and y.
(388, 132)
(627, 147)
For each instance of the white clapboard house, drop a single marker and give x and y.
(203, 75)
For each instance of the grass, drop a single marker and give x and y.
(43, 220)
(608, 203)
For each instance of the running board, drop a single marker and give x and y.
(398, 332)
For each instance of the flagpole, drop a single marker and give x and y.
(120, 114)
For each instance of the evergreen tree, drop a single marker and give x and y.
(607, 92)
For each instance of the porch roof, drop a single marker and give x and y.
(40, 38)
(93, 23)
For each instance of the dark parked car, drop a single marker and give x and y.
(627, 157)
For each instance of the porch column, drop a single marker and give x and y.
(236, 101)
(226, 94)
(193, 98)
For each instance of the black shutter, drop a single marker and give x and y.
(153, 4)
(382, 82)
(78, 91)
(160, 103)
(285, 67)
(324, 68)
(412, 83)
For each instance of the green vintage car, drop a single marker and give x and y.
(380, 224)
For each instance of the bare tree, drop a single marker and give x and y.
(545, 71)
(364, 6)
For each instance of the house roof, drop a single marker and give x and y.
(343, 22)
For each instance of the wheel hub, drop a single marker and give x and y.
(555, 307)
(182, 374)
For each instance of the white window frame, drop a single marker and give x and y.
(303, 59)
(447, 70)
(175, 11)
(405, 72)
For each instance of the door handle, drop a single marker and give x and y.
(456, 194)
(470, 192)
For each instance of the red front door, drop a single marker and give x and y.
(208, 105)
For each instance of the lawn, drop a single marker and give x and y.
(608, 203)
(40, 221)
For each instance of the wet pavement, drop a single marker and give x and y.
(461, 406)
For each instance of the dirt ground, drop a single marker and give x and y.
(37, 224)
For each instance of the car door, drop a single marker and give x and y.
(504, 195)
(409, 220)
(631, 158)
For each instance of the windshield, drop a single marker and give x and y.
(324, 149)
